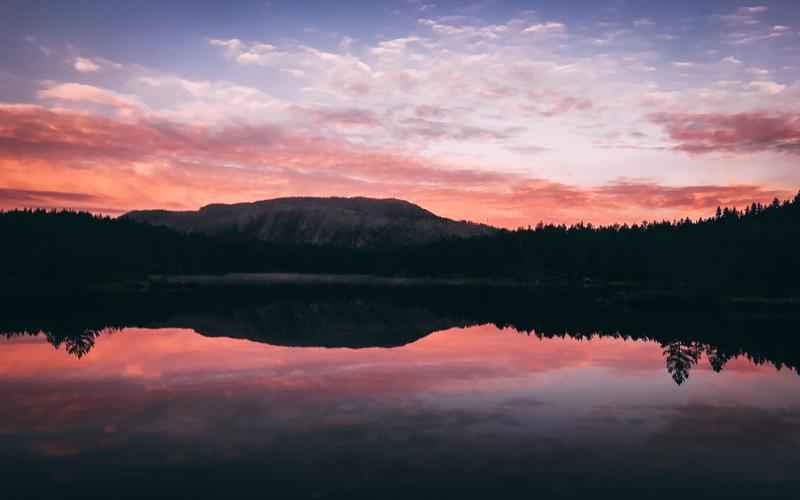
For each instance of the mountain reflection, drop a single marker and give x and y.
(396, 319)
(680, 356)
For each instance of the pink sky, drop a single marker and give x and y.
(538, 116)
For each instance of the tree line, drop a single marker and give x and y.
(755, 249)
(734, 251)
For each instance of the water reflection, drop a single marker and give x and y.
(359, 322)
(679, 356)
(342, 397)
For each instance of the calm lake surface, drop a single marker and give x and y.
(451, 411)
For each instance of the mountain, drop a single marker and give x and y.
(342, 222)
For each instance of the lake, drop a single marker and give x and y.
(342, 397)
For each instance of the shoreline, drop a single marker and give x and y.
(617, 293)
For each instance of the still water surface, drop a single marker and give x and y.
(462, 412)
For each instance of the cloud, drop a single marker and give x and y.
(684, 197)
(758, 71)
(441, 28)
(461, 62)
(330, 69)
(163, 164)
(144, 164)
(568, 104)
(233, 44)
(394, 46)
(32, 198)
(550, 103)
(47, 51)
(529, 149)
(85, 65)
(497, 92)
(22, 196)
(767, 87)
(344, 117)
(417, 127)
(643, 22)
(487, 32)
(257, 53)
(745, 27)
(453, 109)
(211, 102)
(750, 38)
(618, 201)
(428, 111)
(547, 27)
(732, 133)
(38, 133)
(746, 16)
(78, 92)
(484, 74)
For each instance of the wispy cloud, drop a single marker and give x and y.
(85, 65)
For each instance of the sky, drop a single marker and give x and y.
(502, 112)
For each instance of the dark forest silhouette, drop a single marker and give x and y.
(737, 251)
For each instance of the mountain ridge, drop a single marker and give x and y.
(356, 222)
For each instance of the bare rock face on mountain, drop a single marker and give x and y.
(342, 222)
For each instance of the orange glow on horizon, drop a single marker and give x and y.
(66, 159)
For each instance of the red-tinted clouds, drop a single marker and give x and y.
(738, 132)
(59, 158)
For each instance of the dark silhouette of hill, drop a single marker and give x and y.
(393, 318)
(736, 252)
(340, 222)
(61, 252)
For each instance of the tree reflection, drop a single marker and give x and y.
(681, 357)
(76, 343)
(400, 320)
(80, 345)
(717, 358)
